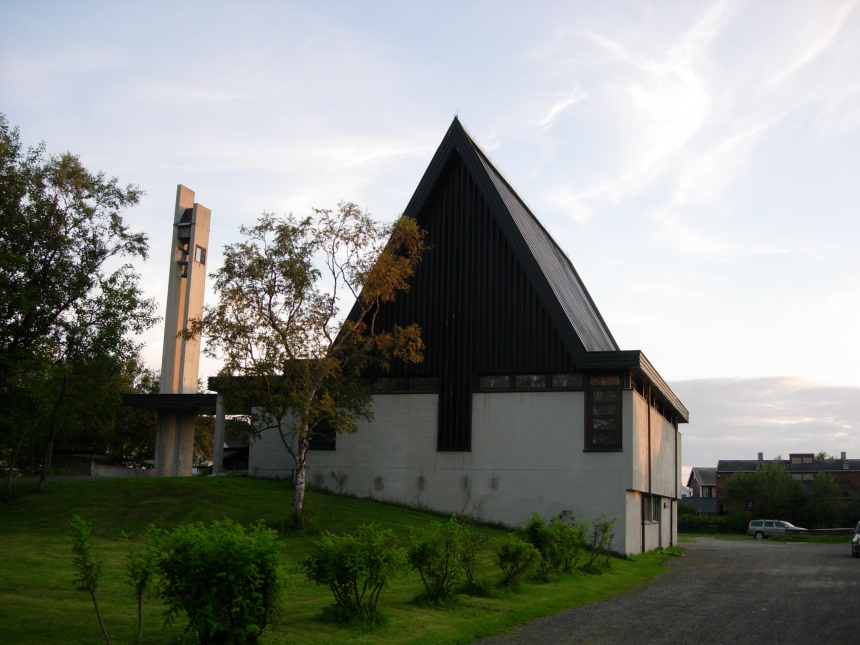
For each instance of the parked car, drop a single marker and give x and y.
(761, 529)
(855, 542)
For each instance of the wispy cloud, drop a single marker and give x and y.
(572, 98)
(689, 124)
(821, 35)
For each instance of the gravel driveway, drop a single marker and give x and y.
(722, 592)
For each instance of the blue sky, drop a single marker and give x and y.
(698, 161)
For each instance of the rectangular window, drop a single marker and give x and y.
(603, 412)
(605, 379)
(808, 477)
(401, 384)
(797, 476)
(531, 380)
(389, 384)
(199, 254)
(323, 438)
(499, 382)
(424, 384)
(566, 380)
(651, 508)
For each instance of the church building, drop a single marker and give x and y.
(524, 401)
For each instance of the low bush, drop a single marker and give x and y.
(356, 567)
(601, 539)
(514, 557)
(558, 541)
(471, 544)
(223, 577)
(434, 555)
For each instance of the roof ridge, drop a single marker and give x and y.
(480, 150)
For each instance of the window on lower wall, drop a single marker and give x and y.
(650, 508)
(400, 384)
(323, 438)
(540, 381)
(603, 412)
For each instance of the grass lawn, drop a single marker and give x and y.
(38, 603)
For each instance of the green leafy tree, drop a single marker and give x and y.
(824, 503)
(88, 568)
(278, 322)
(131, 436)
(66, 302)
(768, 493)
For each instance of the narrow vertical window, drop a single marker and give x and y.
(603, 412)
(199, 254)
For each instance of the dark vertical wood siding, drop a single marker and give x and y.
(477, 310)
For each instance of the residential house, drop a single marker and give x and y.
(804, 467)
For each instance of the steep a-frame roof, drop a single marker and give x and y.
(495, 293)
(557, 268)
(551, 271)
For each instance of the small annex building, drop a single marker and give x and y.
(702, 483)
(524, 402)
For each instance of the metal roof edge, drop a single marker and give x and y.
(530, 265)
(543, 228)
(635, 359)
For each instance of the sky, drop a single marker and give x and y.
(698, 161)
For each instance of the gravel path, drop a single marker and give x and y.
(722, 592)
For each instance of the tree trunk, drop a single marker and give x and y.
(299, 480)
(99, 614)
(32, 455)
(46, 461)
(139, 616)
(12, 465)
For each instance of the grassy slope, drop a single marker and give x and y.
(38, 603)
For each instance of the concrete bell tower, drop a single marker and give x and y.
(174, 446)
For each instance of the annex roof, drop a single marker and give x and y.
(203, 403)
(705, 476)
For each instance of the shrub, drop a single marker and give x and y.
(434, 554)
(356, 567)
(514, 557)
(225, 579)
(568, 535)
(470, 546)
(601, 538)
(557, 541)
(88, 568)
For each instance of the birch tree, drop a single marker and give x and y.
(280, 326)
